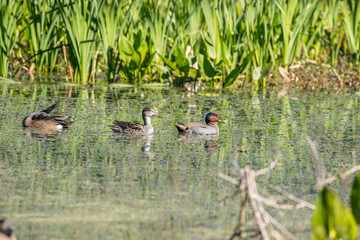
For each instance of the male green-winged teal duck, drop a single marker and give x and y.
(200, 128)
(136, 128)
(42, 120)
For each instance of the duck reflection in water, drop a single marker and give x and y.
(210, 141)
(145, 140)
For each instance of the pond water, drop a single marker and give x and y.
(89, 183)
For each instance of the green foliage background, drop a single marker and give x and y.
(150, 40)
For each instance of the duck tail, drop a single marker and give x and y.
(180, 127)
(115, 128)
(49, 109)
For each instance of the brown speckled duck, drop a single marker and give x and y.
(6, 233)
(42, 120)
(136, 128)
(200, 128)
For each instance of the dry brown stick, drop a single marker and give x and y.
(272, 165)
(250, 179)
(320, 166)
(239, 228)
(229, 179)
(338, 77)
(276, 234)
(274, 204)
(291, 197)
(288, 234)
(341, 175)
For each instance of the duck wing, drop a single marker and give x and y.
(127, 127)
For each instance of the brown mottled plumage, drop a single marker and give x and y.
(42, 120)
(200, 128)
(136, 128)
(6, 233)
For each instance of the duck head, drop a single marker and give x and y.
(148, 112)
(211, 118)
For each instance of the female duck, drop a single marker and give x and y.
(42, 120)
(136, 128)
(200, 128)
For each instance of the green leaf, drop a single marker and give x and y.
(230, 79)
(181, 60)
(142, 50)
(125, 46)
(7, 80)
(332, 219)
(170, 64)
(208, 68)
(355, 198)
(137, 40)
(193, 72)
(135, 61)
(148, 60)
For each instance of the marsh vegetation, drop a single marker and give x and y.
(176, 41)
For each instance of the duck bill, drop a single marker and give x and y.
(157, 116)
(220, 121)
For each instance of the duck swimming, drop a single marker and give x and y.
(42, 120)
(136, 128)
(200, 128)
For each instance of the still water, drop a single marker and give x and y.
(88, 183)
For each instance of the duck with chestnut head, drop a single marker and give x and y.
(209, 127)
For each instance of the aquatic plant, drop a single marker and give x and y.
(81, 24)
(43, 34)
(10, 12)
(178, 41)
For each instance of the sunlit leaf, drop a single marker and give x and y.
(332, 219)
(169, 63)
(256, 73)
(148, 60)
(7, 80)
(230, 79)
(125, 46)
(355, 198)
(142, 50)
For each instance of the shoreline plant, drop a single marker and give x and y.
(176, 41)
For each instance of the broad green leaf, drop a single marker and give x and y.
(181, 60)
(137, 41)
(147, 62)
(193, 72)
(135, 61)
(211, 51)
(125, 46)
(208, 68)
(230, 79)
(142, 50)
(332, 219)
(355, 199)
(170, 64)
